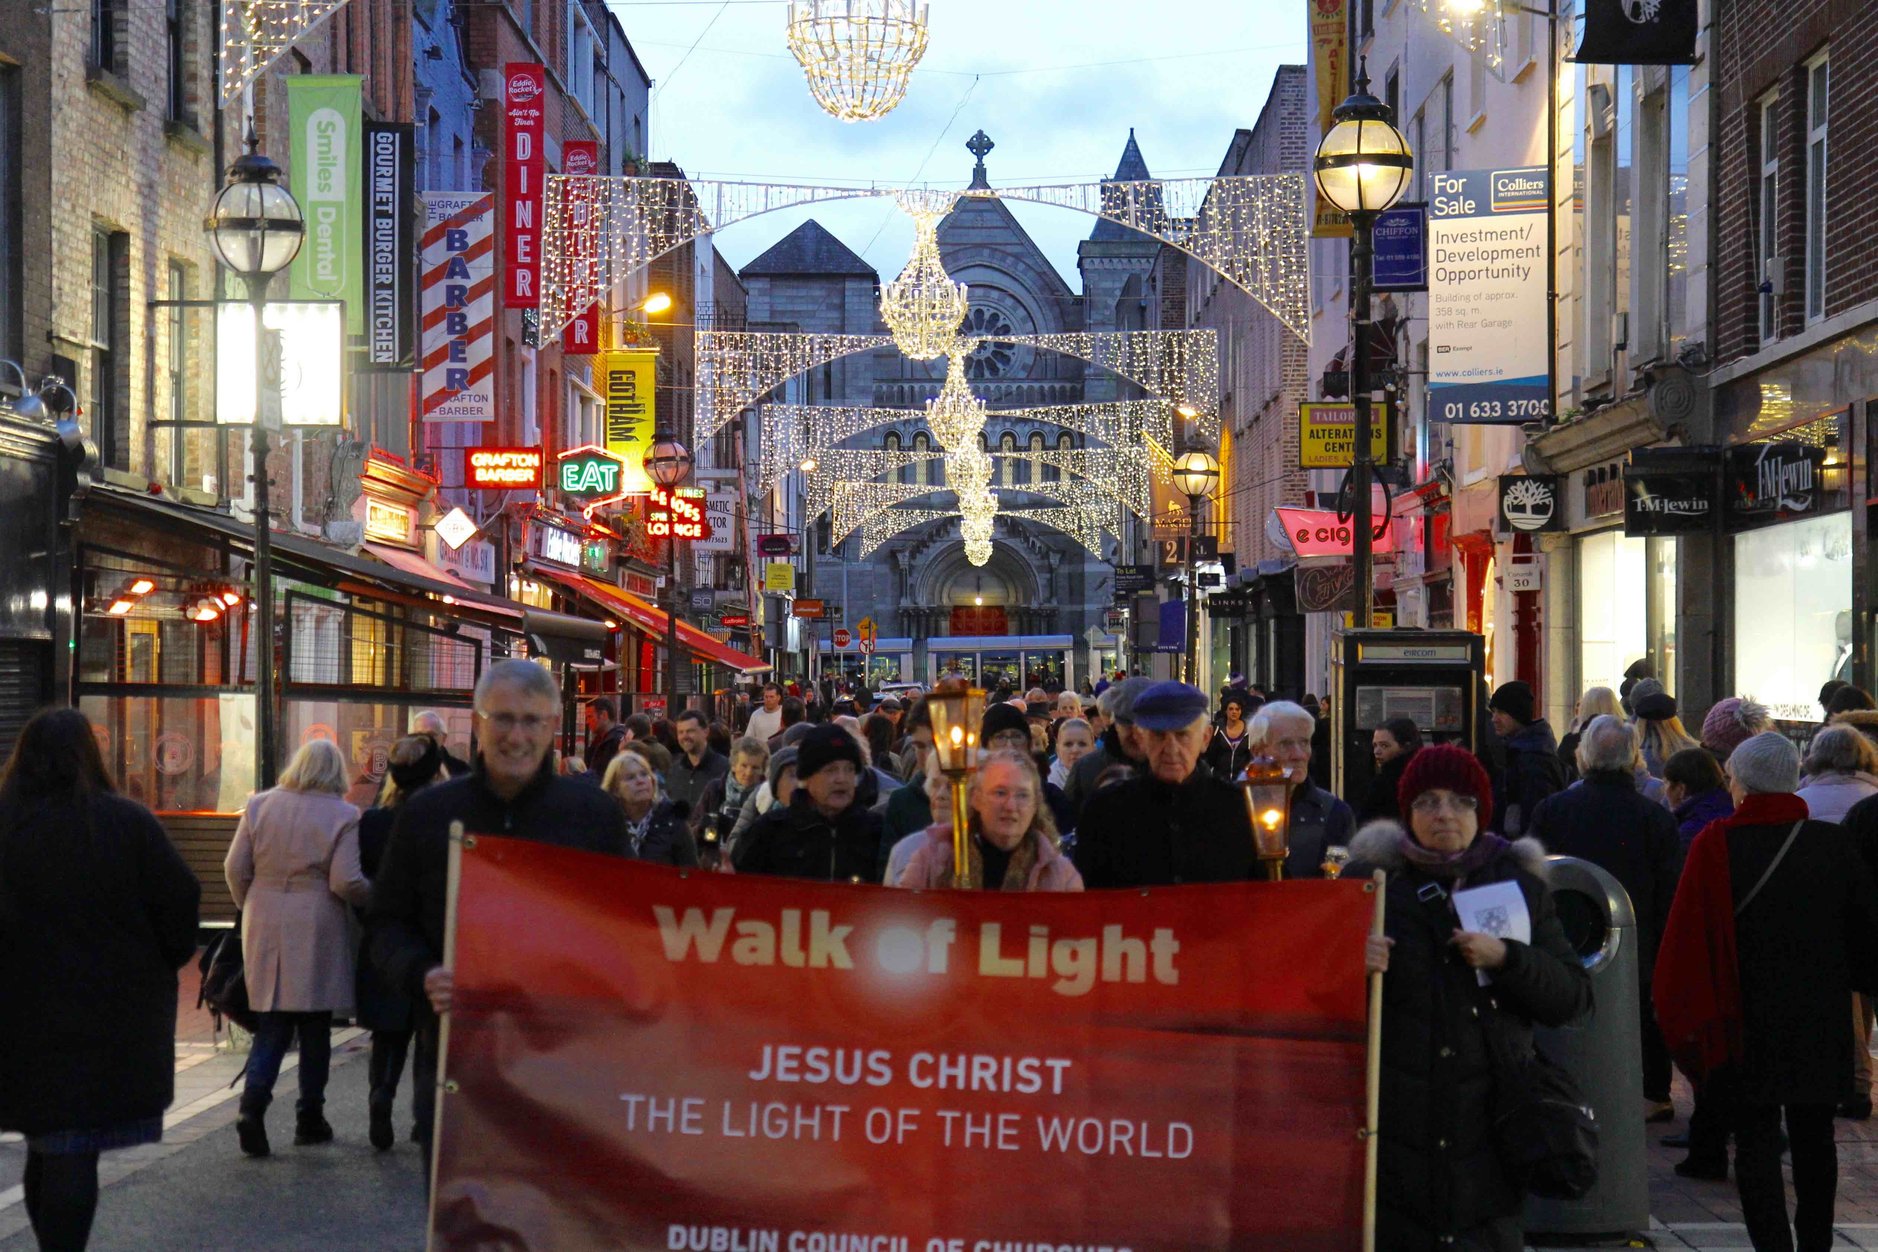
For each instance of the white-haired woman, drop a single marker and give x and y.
(1282, 732)
(1841, 769)
(293, 868)
(655, 830)
(1013, 842)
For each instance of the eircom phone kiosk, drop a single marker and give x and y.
(1431, 677)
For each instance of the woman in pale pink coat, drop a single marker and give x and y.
(1013, 840)
(293, 869)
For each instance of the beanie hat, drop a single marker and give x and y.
(1126, 692)
(1766, 763)
(1449, 768)
(409, 777)
(779, 760)
(1655, 707)
(999, 718)
(1644, 689)
(1730, 722)
(825, 745)
(1515, 699)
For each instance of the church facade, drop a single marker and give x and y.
(1037, 610)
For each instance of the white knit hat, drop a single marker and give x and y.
(1767, 763)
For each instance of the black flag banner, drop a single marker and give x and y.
(1638, 32)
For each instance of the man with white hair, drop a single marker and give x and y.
(1173, 822)
(1283, 732)
(514, 792)
(430, 724)
(1602, 818)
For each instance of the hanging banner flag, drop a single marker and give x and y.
(1330, 69)
(524, 167)
(389, 252)
(580, 157)
(326, 155)
(1401, 243)
(629, 378)
(1486, 297)
(1638, 32)
(873, 1065)
(458, 308)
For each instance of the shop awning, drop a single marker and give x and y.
(618, 601)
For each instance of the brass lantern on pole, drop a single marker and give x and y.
(1268, 788)
(957, 712)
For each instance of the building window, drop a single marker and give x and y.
(890, 443)
(1818, 74)
(177, 365)
(1767, 230)
(580, 57)
(1007, 449)
(924, 473)
(108, 315)
(1392, 90)
(1676, 284)
(1418, 137)
(173, 28)
(11, 305)
(1064, 443)
(104, 19)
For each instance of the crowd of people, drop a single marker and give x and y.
(1748, 864)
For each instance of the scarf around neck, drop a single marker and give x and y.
(1486, 847)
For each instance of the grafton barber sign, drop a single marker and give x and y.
(748, 1063)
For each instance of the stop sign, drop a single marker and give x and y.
(842, 637)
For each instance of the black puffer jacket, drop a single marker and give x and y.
(1144, 832)
(799, 842)
(667, 838)
(97, 912)
(1438, 1174)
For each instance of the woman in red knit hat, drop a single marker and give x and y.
(1440, 1180)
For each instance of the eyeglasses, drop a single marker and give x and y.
(1432, 802)
(1009, 739)
(1005, 795)
(533, 723)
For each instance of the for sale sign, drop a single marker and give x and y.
(1486, 297)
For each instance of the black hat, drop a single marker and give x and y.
(824, 745)
(1515, 699)
(1001, 717)
(1656, 706)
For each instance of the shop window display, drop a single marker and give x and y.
(1793, 612)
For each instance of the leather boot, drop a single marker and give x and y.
(251, 1125)
(382, 1135)
(310, 1127)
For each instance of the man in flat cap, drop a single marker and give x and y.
(1173, 822)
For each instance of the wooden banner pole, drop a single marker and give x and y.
(1372, 1082)
(452, 880)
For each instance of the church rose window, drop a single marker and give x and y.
(993, 357)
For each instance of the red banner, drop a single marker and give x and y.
(581, 158)
(524, 121)
(643, 1058)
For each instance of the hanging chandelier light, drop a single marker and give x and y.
(923, 306)
(858, 55)
(978, 552)
(955, 416)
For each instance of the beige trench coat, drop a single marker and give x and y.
(293, 868)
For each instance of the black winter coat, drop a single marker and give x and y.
(1438, 1173)
(1532, 773)
(667, 839)
(1606, 821)
(1318, 819)
(1381, 801)
(1224, 757)
(1144, 832)
(406, 920)
(381, 1005)
(1082, 777)
(799, 842)
(686, 784)
(97, 913)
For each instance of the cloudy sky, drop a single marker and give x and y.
(1055, 83)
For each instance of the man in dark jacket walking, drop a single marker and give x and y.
(1173, 822)
(697, 765)
(606, 735)
(512, 792)
(1532, 769)
(824, 833)
(1605, 820)
(1118, 745)
(1284, 733)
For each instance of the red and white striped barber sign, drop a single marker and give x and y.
(458, 307)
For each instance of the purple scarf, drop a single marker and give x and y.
(1484, 848)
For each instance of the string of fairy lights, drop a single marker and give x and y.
(257, 33)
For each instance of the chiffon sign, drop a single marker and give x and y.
(652, 1059)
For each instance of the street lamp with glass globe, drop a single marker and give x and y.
(255, 229)
(667, 463)
(1196, 474)
(1362, 166)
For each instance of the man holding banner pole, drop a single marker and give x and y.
(512, 791)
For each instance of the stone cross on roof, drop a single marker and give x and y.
(978, 145)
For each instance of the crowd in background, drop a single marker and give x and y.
(1746, 860)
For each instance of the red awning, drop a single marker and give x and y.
(474, 597)
(652, 620)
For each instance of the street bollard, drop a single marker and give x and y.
(1603, 1052)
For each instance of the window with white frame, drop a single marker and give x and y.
(1818, 75)
(580, 46)
(1767, 215)
(1418, 141)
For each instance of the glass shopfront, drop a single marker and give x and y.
(1793, 612)
(1626, 607)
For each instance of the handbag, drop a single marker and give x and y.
(224, 987)
(1544, 1132)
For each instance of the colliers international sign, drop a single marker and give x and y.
(1486, 297)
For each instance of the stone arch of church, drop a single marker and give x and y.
(948, 578)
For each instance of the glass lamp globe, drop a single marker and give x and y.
(255, 225)
(1363, 164)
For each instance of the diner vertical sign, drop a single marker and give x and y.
(524, 116)
(1486, 296)
(582, 159)
(752, 1063)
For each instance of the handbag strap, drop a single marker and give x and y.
(1769, 871)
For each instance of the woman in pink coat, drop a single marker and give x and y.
(293, 869)
(1013, 839)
